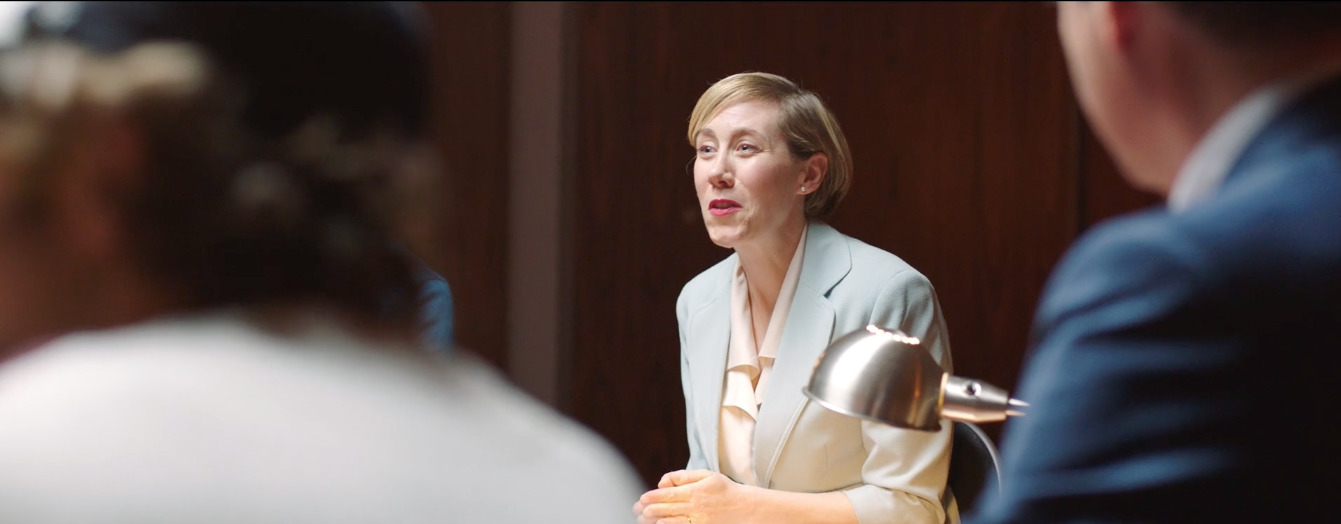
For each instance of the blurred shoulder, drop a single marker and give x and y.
(1128, 239)
(442, 439)
(875, 268)
(1138, 258)
(542, 447)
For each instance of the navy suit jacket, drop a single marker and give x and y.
(1181, 365)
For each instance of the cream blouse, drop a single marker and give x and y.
(747, 368)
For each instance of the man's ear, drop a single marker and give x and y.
(815, 169)
(1119, 23)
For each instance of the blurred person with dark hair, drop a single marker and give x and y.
(1178, 365)
(204, 314)
(387, 84)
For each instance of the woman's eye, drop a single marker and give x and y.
(703, 150)
(747, 148)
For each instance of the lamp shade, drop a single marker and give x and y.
(888, 377)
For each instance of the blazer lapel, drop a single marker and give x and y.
(709, 337)
(809, 328)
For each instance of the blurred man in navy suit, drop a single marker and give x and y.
(1178, 369)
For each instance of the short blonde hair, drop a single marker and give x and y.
(808, 126)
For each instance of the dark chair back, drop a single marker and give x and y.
(974, 466)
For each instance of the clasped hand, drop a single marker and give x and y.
(695, 497)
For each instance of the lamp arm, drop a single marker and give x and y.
(969, 400)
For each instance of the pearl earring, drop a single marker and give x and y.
(803, 190)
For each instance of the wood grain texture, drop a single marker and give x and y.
(964, 137)
(470, 53)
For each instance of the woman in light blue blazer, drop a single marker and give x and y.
(771, 163)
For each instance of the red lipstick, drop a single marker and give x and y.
(722, 207)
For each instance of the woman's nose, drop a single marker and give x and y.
(719, 175)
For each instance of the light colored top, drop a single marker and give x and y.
(748, 366)
(890, 475)
(1214, 156)
(214, 419)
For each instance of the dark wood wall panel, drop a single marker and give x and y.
(471, 90)
(965, 143)
(966, 173)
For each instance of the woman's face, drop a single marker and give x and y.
(748, 182)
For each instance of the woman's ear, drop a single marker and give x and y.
(814, 170)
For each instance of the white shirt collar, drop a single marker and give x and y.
(1211, 160)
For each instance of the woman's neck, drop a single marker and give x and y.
(765, 264)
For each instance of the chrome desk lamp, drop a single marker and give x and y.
(888, 377)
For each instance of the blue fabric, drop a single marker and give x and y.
(435, 311)
(1179, 367)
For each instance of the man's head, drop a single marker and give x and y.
(1152, 77)
(166, 156)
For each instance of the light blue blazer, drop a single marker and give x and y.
(890, 475)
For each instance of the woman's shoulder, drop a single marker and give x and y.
(873, 266)
(706, 286)
(712, 278)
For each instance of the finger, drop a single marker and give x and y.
(674, 519)
(665, 481)
(665, 495)
(680, 478)
(663, 511)
(641, 503)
